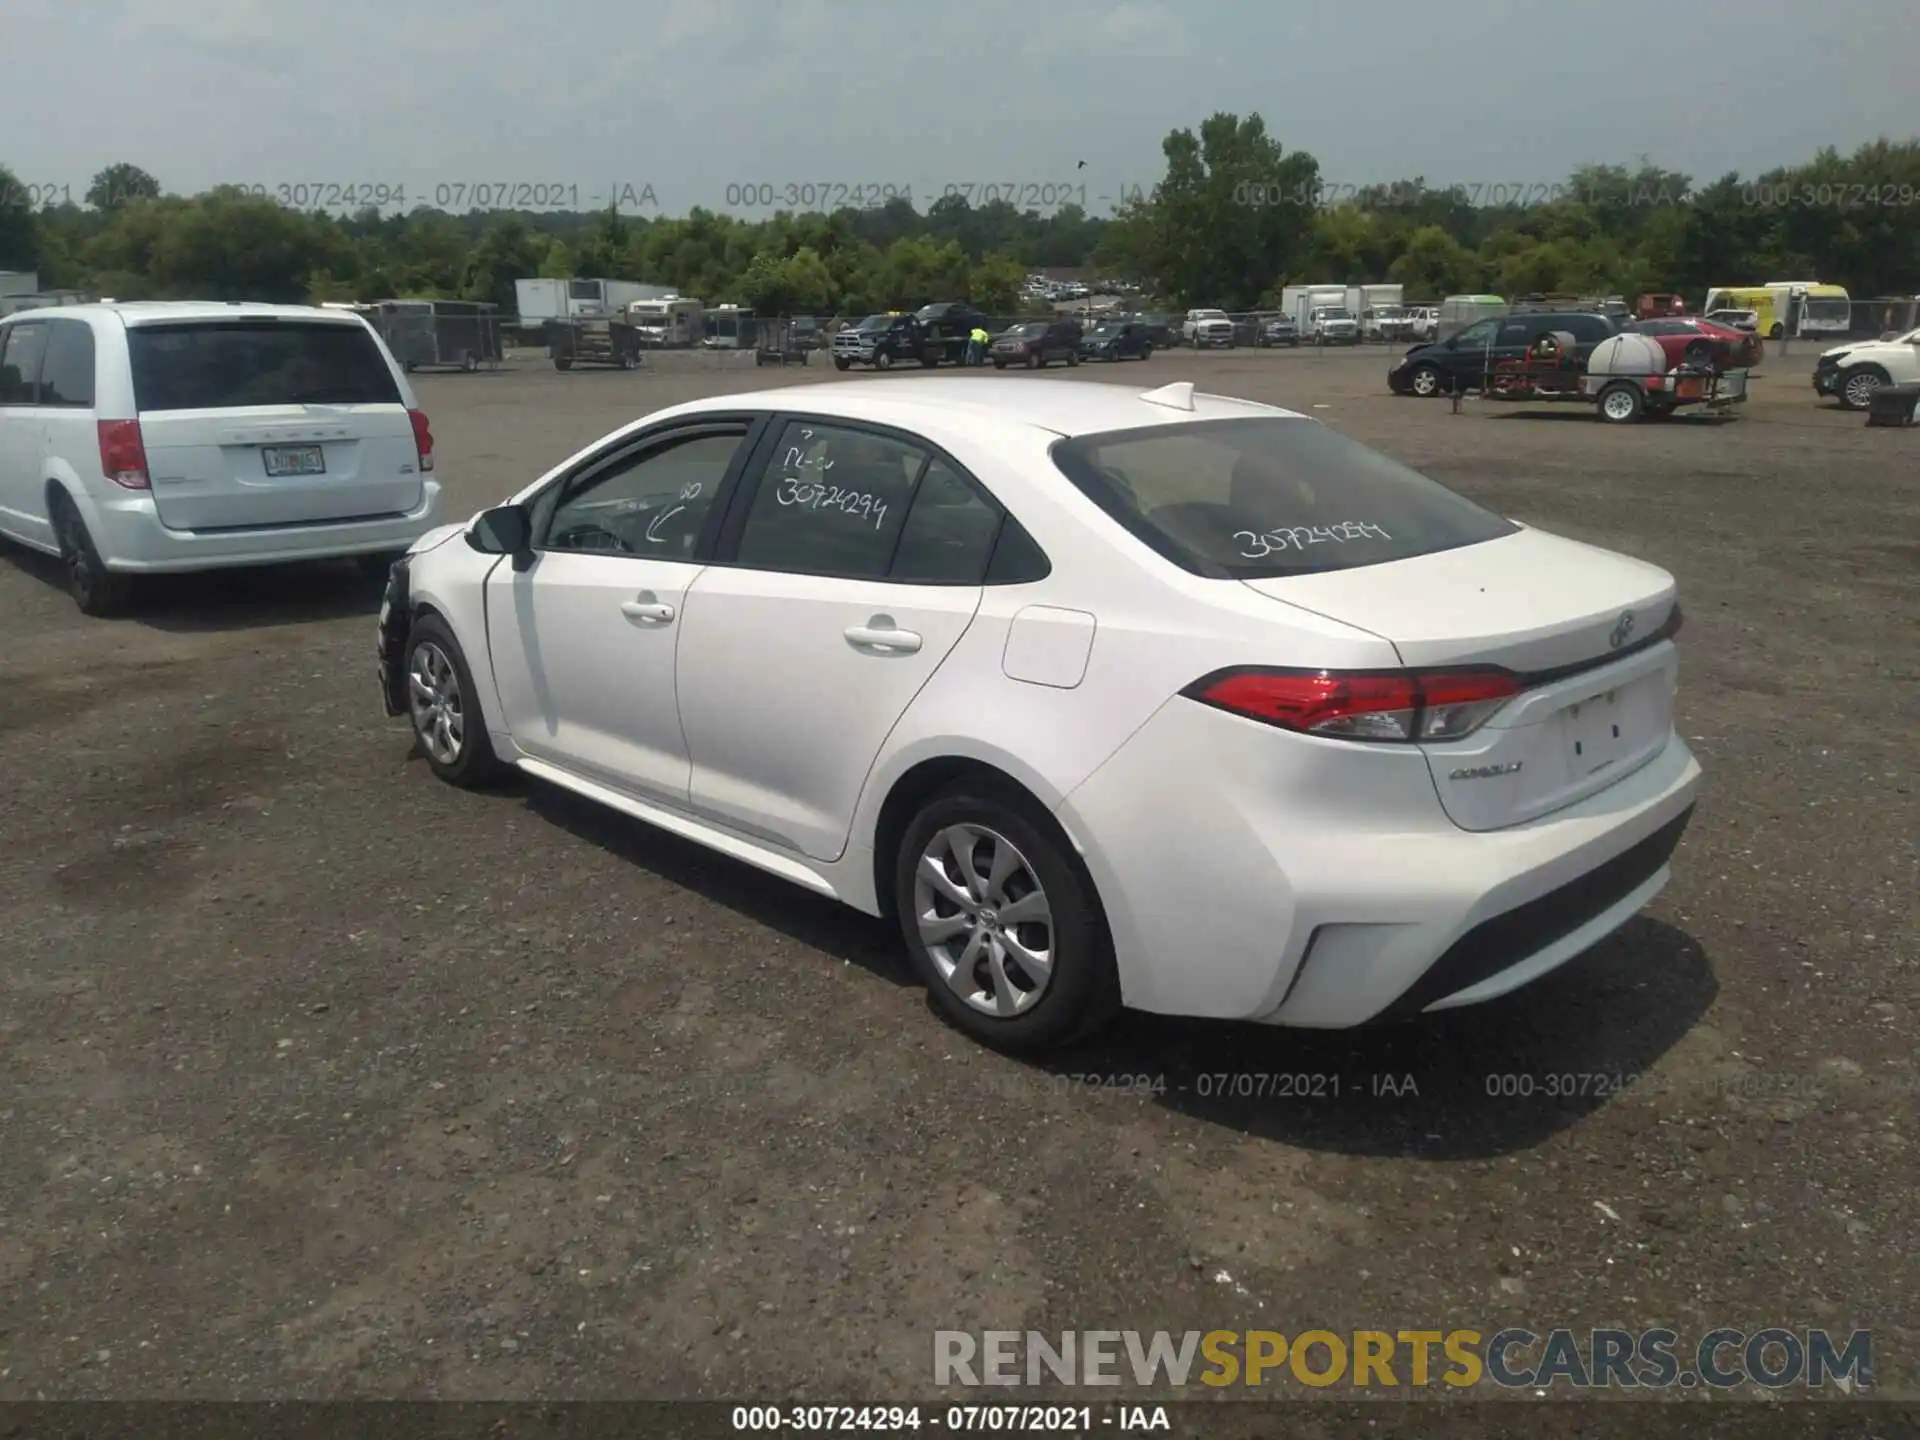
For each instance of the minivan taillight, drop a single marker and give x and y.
(123, 454)
(422, 438)
(1383, 705)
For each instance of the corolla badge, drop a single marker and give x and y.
(1622, 628)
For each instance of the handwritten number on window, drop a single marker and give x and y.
(811, 495)
(1299, 537)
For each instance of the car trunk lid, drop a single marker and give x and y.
(1586, 631)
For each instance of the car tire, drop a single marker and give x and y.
(563, 362)
(883, 359)
(1621, 404)
(1146, 352)
(1072, 361)
(1698, 352)
(1081, 989)
(999, 364)
(1033, 359)
(98, 591)
(442, 700)
(1425, 381)
(1777, 332)
(1855, 387)
(840, 363)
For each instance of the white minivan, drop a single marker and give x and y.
(192, 435)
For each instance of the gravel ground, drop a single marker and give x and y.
(322, 1079)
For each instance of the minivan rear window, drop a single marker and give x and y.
(1262, 497)
(216, 365)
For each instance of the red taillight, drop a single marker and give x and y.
(123, 454)
(1391, 705)
(422, 438)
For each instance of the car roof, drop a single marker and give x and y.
(151, 312)
(1059, 407)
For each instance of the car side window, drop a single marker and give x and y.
(66, 370)
(950, 532)
(20, 362)
(651, 502)
(832, 501)
(1479, 333)
(1514, 332)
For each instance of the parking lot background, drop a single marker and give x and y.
(322, 1078)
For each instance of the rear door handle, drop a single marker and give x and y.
(647, 610)
(883, 637)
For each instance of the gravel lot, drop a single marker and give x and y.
(324, 1079)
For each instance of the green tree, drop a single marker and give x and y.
(1434, 265)
(118, 184)
(994, 284)
(19, 235)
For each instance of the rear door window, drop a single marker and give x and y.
(1256, 498)
(66, 373)
(218, 365)
(21, 347)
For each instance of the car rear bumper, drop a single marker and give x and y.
(1251, 874)
(128, 533)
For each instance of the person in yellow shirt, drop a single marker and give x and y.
(977, 346)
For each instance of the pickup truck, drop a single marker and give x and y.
(1207, 329)
(1333, 326)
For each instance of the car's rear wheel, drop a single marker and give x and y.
(1146, 352)
(98, 591)
(883, 359)
(1857, 387)
(1001, 920)
(1425, 381)
(841, 363)
(444, 709)
(1698, 352)
(1033, 359)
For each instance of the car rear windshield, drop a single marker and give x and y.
(1269, 496)
(217, 365)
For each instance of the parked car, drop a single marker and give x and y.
(904, 675)
(1207, 329)
(1160, 329)
(1693, 341)
(1037, 344)
(1117, 340)
(1851, 373)
(1424, 322)
(881, 341)
(1277, 330)
(177, 436)
(1392, 324)
(1459, 361)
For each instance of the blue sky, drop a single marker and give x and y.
(687, 97)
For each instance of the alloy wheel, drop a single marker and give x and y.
(73, 551)
(435, 702)
(1860, 388)
(985, 920)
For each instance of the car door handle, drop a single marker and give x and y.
(647, 610)
(883, 637)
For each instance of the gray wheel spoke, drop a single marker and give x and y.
(1007, 997)
(933, 873)
(1037, 964)
(1029, 909)
(938, 929)
(960, 842)
(960, 978)
(1006, 863)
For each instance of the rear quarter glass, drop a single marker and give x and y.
(1264, 497)
(226, 364)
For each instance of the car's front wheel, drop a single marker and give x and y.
(1002, 923)
(1425, 381)
(1857, 387)
(444, 707)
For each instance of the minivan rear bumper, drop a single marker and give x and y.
(128, 533)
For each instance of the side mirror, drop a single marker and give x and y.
(503, 530)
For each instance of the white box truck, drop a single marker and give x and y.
(540, 301)
(1382, 311)
(1301, 301)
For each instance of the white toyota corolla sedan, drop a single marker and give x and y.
(1165, 700)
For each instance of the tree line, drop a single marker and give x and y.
(1234, 218)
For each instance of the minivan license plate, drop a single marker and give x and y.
(294, 460)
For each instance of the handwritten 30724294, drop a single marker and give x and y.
(818, 495)
(1257, 545)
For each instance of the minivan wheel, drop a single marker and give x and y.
(1001, 921)
(1425, 381)
(444, 707)
(98, 591)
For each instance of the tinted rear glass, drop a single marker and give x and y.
(221, 364)
(1243, 499)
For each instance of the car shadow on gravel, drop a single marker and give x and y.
(812, 920)
(1481, 1081)
(212, 600)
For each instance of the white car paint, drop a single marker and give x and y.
(1222, 849)
(1898, 360)
(200, 497)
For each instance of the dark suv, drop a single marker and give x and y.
(1038, 343)
(1117, 340)
(1460, 361)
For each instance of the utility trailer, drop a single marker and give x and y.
(1626, 378)
(458, 334)
(781, 344)
(611, 343)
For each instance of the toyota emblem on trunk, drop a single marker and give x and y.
(1622, 628)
